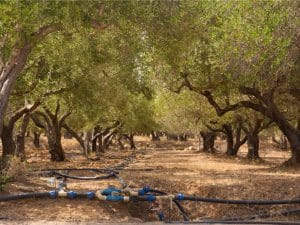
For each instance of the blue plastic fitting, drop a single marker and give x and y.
(141, 192)
(71, 194)
(115, 198)
(180, 197)
(110, 190)
(151, 198)
(161, 216)
(53, 194)
(90, 195)
(146, 189)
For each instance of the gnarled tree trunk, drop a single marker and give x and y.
(77, 137)
(253, 146)
(20, 137)
(208, 141)
(233, 146)
(130, 138)
(8, 143)
(52, 124)
(36, 139)
(154, 136)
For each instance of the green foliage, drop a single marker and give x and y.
(3, 181)
(119, 69)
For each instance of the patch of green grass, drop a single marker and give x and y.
(3, 181)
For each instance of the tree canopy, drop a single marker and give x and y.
(176, 66)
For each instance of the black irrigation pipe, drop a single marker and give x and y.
(84, 178)
(24, 195)
(286, 212)
(112, 171)
(104, 170)
(236, 222)
(240, 202)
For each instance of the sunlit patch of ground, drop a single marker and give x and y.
(167, 165)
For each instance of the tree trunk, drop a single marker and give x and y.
(131, 141)
(292, 134)
(233, 146)
(119, 140)
(94, 144)
(208, 141)
(8, 143)
(20, 138)
(77, 137)
(182, 137)
(86, 138)
(52, 124)
(154, 136)
(253, 146)
(54, 142)
(230, 150)
(269, 109)
(36, 139)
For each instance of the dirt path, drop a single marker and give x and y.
(169, 166)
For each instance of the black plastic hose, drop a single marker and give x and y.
(243, 202)
(83, 178)
(100, 170)
(286, 212)
(24, 195)
(236, 222)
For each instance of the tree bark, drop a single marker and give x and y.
(77, 137)
(20, 138)
(253, 146)
(36, 139)
(52, 124)
(87, 137)
(233, 146)
(119, 140)
(130, 138)
(208, 141)
(154, 136)
(8, 143)
(182, 137)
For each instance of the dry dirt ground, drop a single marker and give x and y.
(170, 166)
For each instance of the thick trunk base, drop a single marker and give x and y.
(253, 147)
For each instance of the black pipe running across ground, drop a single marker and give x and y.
(58, 174)
(236, 222)
(237, 202)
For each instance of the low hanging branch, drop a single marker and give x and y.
(75, 135)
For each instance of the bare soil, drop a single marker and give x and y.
(174, 167)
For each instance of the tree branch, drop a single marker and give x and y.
(63, 118)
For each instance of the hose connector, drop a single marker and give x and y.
(53, 194)
(71, 194)
(180, 197)
(151, 198)
(90, 195)
(146, 189)
(115, 198)
(110, 191)
(141, 192)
